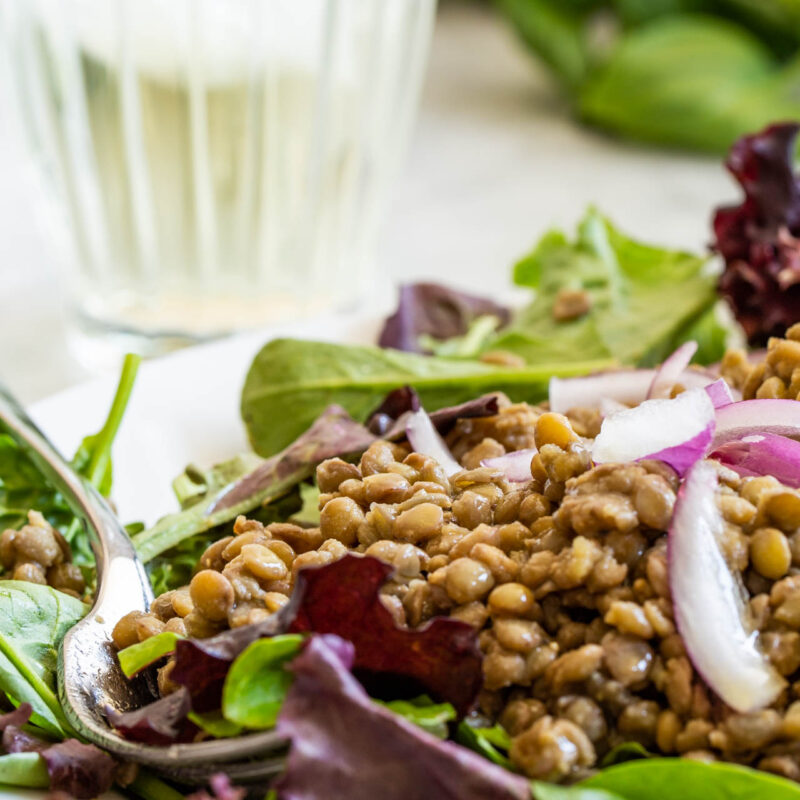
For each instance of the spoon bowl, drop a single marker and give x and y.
(90, 679)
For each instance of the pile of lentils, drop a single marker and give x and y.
(565, 577)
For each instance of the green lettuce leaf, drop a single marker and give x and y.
(644, 300)
(424, 713)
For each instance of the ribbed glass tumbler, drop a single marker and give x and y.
(212, 165)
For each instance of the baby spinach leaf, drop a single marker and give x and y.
(135, 658)
(668, 778)
(492, 743)
(627, 751)
(643, 299)
(424, 713)
(292, 381)
(257, 682)
(552, 791)
(24, 769)
(33, 620)
(214, 724)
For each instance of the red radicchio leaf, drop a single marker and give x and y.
(160, 723)
(758, 238)
(343, 598)
(386, 420)
(221, 789)
(346, 747)
(436, 310)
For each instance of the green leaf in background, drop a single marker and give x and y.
(24, 769)
(690, 81)
(135, 658)
(257, 682)
(554, 32)
(492, 743)
(681, 779)
(308, 514)
(292, 381)
(644, 300)
(33, 620)
(424, 713)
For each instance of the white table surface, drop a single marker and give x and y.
(495, 160)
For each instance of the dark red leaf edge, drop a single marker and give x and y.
(759, 237)
(346, 747)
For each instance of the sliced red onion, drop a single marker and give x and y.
(737, 420)
(763, 454)
(709, 604)
(720, 393)
(425, 439)
(677, 431)
(669, 373)
(516, 465)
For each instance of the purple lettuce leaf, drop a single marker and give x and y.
(334, 433)
(759, 237)
(221, 789)
(160, 723)
(435, 310)
(346, 747)
(388, 419)
(80, 770)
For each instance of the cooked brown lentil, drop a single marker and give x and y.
(566, 578)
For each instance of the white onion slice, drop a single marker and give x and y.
(737, 420)
(626, 386)
(516, 465)
(609, 406)
(425, 439)
(669, 373)
(677, 431)
(709, 606)
(720, 393)
(763, 454)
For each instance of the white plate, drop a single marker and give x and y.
(184, 408)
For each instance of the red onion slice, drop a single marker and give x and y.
(609, 406)
(669, 373)
(763, 454)
(720, 393)
(516, 465)
(677, 431)
(425, 439)
(708, 601)
(737, 420)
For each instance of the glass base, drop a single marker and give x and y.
(99, 346)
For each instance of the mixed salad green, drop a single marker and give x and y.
(299, 671)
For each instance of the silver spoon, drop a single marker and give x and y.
(89, 675)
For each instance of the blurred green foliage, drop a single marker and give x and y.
(695, 74)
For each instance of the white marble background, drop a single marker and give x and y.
(495, 160)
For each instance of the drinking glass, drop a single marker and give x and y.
(212, 165)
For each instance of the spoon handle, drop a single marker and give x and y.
(122, 584)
